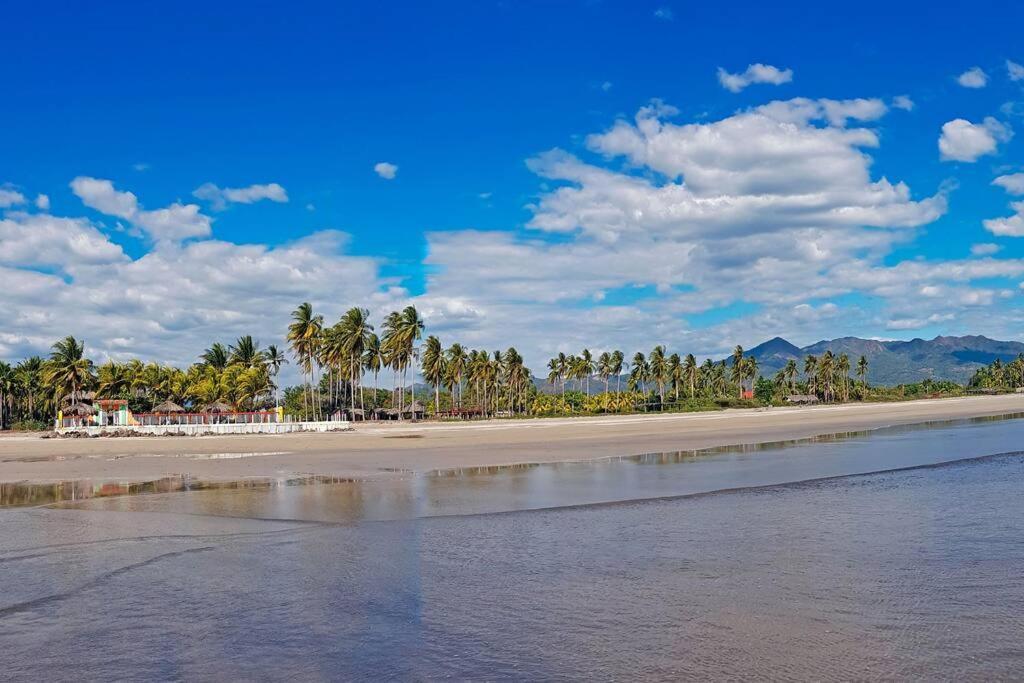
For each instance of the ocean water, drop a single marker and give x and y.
(868, 557)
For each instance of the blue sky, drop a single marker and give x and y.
(161, 100)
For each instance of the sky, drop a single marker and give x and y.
(550, 176)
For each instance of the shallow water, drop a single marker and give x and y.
(902, 574)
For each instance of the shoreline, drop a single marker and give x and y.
(375, 451)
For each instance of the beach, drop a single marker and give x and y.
(386, 450)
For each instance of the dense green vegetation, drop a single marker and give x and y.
(341, 367)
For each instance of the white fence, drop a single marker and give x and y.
(213, 429)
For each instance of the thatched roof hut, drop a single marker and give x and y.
(82, 409)
(218, 407)
(168, 407)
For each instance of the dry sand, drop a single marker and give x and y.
(374, 450)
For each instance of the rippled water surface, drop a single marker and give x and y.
(613, 570)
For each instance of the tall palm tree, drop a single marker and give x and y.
(640, 373)
(274, 359)
(658, 369)
(457, 360)
(604, 368)
(373, 361)
(790, 372)
(674, 372)
(618, 361)
(750, 370)
(355, 330)
(586, 367)
(811, 373)
(738, 373)
(862, 371)
(304, 336)
(7, 384)
(691, 373)
(434, 367)
(843, 369)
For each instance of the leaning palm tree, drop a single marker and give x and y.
(434, 367)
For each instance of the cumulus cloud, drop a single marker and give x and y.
(1014, 70)
(1012, 183)
(175, 222)
(41, 240)
(9, 197)
(755, 73)
(903, 102)
(219, 197)
(973, 78)
(385, 170)
(1009, 226)
(42, 202)
(774, 208)
(962, 140)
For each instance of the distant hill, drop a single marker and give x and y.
(897, 362)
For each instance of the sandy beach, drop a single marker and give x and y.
(382, 450)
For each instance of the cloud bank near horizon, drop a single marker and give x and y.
(698, 234)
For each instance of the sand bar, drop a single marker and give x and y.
(382, 450)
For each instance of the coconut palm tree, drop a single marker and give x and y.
(586, 367)
(274, 358)
(304, 336)
(354, 333)
(739, 371)
(618, 361)
(750, 370)
(691, 373)
(811, 373)
(656, 363)
(373, 361)
(640, 373)
(216, 356)
(68, 371)
(434, 367)
(843, 369)
(7, 384)
(862, 371)
(674, 372)
(604, 368)
(457, 360)
(245, 352)
(790, 372)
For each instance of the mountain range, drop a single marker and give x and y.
(896, 362)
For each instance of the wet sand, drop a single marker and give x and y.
(373, 450)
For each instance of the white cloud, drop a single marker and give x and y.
(219, 198)
(1012, 183)
(985, 249)
(606, 86)
(1010, 226)
(664, 13)
(973, 78)
(962, 140)
(1014, 70)
(42, 202)
(34, 240)
(903, 102)
(385, 170)
(175, 222)
(10, 198)
(755, 73)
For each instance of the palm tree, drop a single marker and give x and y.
(604, 368)
(843, 368)
(434, 367)
(790, 371)
(618, 360)
(68, 370)
(640, 373)
(811, 373)
(304, 337)
(862, 371)
(216, 356)
(274, 359)
(245, 352)
(750, 370)
(674, 372)
(691, 373)
(373, 361)
(457, 361)
(586, 368)
(7, 384)
(738, 373)
(658, 370)
(354, 331)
